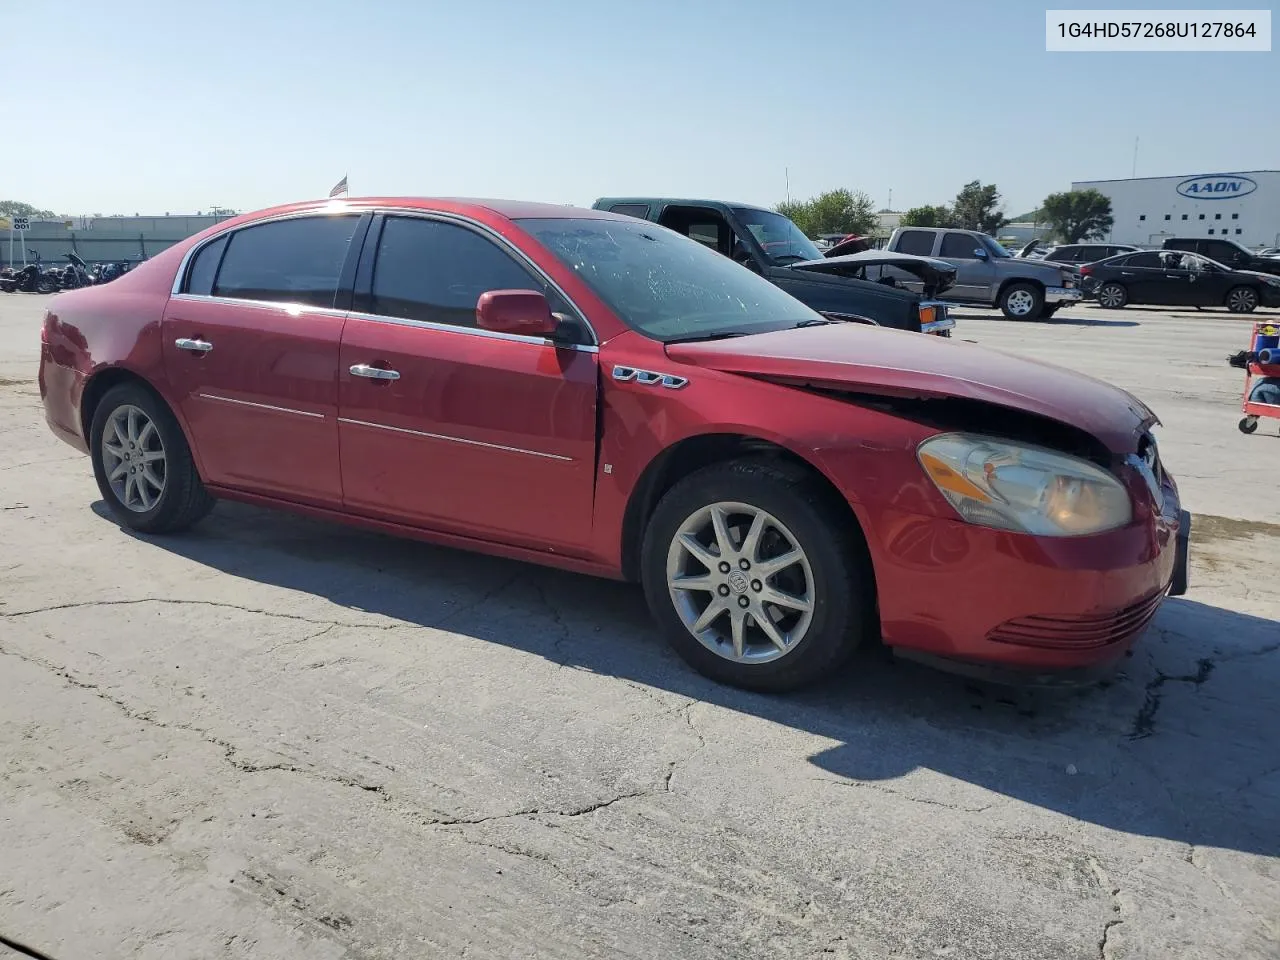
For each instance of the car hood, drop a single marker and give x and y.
(937, 275)
(894, 363)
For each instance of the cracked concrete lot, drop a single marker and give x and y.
(276, 738)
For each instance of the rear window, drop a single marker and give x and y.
(1149, 259)
(204, 267)
(918, 242)
(287, 261)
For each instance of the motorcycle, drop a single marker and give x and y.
(76, 274)
(29, 279)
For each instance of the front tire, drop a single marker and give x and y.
(142, 463)
(1112, 296)
(755, 575)
(1022, 301)
(1242, 299)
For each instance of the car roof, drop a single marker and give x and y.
(510, 209)
(683, 201)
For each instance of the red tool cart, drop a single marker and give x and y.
(1266, 346)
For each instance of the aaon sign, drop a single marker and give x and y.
(1216, 186)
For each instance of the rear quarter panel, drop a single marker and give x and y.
(96, 329)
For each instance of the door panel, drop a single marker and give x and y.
(974, 276)
(487, 436)
(262, 400)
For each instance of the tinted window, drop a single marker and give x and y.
(1149, 259)
(640, 210)
(435, 272)
(288, 261)
(1220, 251)
(204, 267)
(919, 242)
(958, 245)
(1179, 244)
(1090, 254)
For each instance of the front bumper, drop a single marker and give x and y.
(1061, 295)
(943, 324)
(954, 593)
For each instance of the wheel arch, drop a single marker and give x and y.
(690, 454)
(1010, 281)
(103, 379)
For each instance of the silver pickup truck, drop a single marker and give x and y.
(988, 274)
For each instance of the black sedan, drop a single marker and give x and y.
(1178, 279)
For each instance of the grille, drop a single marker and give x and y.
(1078, 633)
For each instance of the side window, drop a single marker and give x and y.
(287, 261)
(204, 267)
(707, 234)
(435, 272)
(959, 246)
(1150, 259)
(919, 242)
(640, 210)
(1222, 252)
(1090, 254)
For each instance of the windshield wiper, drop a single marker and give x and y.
(813, 322)
(720, 335)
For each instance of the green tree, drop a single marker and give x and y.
(976, 207)
(928, 216)
(836, 211)
(16, 208)
(1077, 215)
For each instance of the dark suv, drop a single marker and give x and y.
(837, 286)
(1226, 252)
(1086, 252)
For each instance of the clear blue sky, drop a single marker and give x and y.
(246, 104)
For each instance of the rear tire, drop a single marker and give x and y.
(1049, 310)
(1242, 299)
(143, 464)
(1112, 296)
(818, 605)
(1022, 301)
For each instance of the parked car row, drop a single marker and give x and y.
(589, 390)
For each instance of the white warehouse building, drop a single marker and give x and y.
(1244, 207)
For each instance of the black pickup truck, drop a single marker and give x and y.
(852, 287)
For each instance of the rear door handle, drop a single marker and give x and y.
(194, 346)
(374, 373)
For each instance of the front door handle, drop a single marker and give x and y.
(194, 346)
(374, 373)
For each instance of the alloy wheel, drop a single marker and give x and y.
(1242, 300)
(1111, 296)
(1021, 303)
(741, 582)
(134, 458)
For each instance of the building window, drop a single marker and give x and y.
(1238, 230)
(1184, 216)
(1217, 216)
(1202, 216)
(1142, 217)
(1235, 216)
(1168, 216)
(1211, 231)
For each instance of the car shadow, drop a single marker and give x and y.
(1179, 745)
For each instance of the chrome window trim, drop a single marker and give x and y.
(472, 331)
(440, 436)
(289, 306)
(261, 406)
(441, 215)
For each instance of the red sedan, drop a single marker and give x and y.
(585, 390)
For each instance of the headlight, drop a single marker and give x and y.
(1013, 486)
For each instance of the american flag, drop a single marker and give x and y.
(339, 187)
